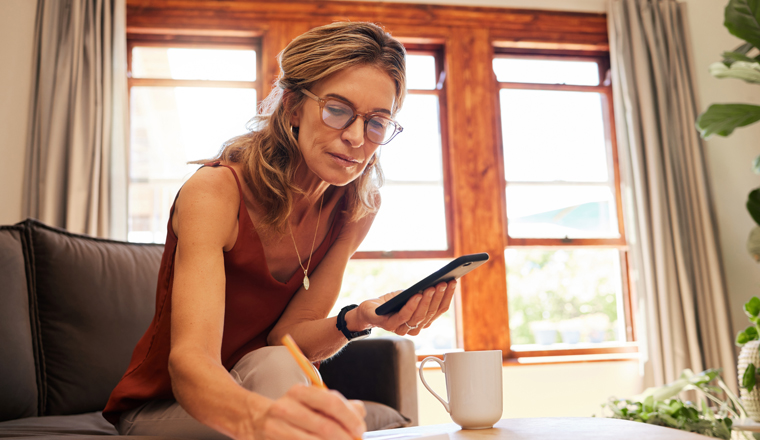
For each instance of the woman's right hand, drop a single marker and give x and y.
(309, 412)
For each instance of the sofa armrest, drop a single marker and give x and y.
(379, 370)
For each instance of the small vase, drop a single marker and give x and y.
(751, 400)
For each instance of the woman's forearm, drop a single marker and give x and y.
(319, 339)
(207, 392)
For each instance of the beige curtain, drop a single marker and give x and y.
(677, 276)
(75, 168)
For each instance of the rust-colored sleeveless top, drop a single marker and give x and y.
(254, 301)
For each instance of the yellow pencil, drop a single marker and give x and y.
(304, 363)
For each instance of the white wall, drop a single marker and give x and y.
(728, 159)
(16, 41)
(557, 390)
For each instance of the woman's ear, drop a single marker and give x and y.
(295, 118)
(295, 113)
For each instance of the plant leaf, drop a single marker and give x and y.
(753, 206)
(659, 394)
(742, 19)
(738, 54)
(704, 377)
(747, 71)
(742, 338)
(722, 119)
(751, 331)
(743, 48)
(647, 404)
(731, 57)
(752, 307)
(711, 389)
(756, 165)
(748, 380)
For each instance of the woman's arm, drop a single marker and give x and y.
(204, 220)
(206, 223)
(317, 336)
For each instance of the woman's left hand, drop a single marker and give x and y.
(418, 313)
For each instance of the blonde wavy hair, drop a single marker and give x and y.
(269, 151)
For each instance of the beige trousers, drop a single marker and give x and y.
(269, 371)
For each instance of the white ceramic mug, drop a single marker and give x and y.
(473, 385)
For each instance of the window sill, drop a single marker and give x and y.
(526, 351)
(612, 353)
(571, 359)
(554, 360)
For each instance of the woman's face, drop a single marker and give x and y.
(338, 157)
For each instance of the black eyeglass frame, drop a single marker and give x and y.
(366, 116)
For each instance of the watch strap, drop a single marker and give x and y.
(343, 327)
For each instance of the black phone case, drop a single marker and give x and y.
(454, 270)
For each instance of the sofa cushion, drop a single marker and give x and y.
(95, 298)
(391, 360)
(18, 378)
(381, 416)
(82, 424)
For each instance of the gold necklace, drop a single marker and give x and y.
(306, 270)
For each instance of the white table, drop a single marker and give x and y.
(581, 428)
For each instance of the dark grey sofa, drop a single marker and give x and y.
(72, 308)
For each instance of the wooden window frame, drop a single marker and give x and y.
(605, 89)
(440, 92)
(192, 42)
(143, 39)
(469, 38)
(425, 47)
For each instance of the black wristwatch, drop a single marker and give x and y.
(351, 336)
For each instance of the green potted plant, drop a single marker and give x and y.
(711, 415)
(742, 19)
(749, 360)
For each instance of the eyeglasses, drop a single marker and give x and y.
(339, 114)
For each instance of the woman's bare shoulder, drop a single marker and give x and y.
(216, 180)
(208, 201)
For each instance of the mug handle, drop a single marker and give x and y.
(422, 377)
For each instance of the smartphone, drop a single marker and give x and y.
(452, 271)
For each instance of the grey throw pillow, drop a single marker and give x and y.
(381, 416)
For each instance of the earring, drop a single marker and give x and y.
(294, 130)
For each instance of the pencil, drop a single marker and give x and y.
(304, 363)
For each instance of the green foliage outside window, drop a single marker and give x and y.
(572, 293)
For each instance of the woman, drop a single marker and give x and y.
(240, 268)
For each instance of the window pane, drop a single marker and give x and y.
(415, 154)
(169, 127)
(413, 213)
(581, 73)
(149, 204)
(559, 211)
(564, 298)
(203, 64)
(367, 279)
(553, 136)
(420, 71)
(412, 217)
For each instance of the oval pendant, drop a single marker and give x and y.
(305, 281)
